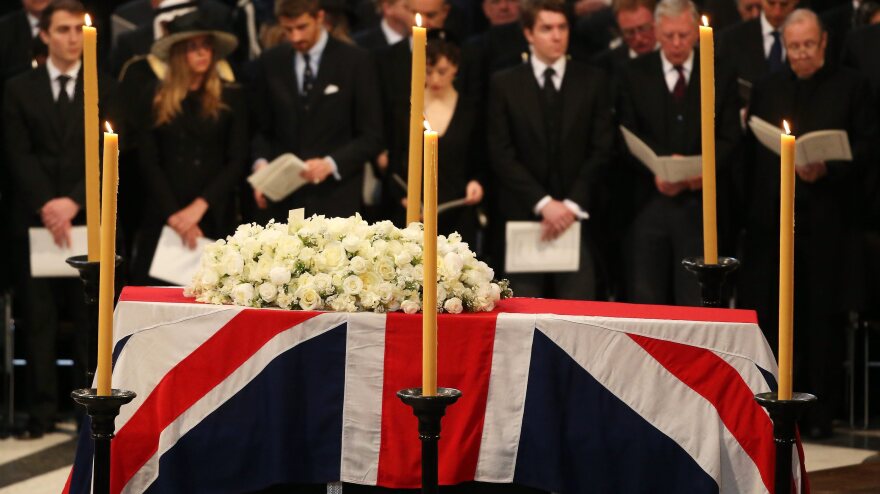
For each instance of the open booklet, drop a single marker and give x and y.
(525, 252)
(50, 261)
(442, 207)
(812, 147)
(666, 168)
(281, 178)
(173, 261)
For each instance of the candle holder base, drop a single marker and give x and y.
(785, 415)
(103, 411)
(429, 410)
(711, 277)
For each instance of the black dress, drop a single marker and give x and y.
(190, 157)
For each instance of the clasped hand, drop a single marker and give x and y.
(557, 217)
(57, 215)
(186, 222)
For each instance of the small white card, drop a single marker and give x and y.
(173, 261)
(527, 253)
(48, 260)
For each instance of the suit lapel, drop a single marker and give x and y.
(47, 102)
(572, 94)
(286, 73)
(326, 70)
(531, 102)
(76, 116)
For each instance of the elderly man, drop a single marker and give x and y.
(635, 19)
(754, 48)
(812, 95)
(395, 25)
(660, 103)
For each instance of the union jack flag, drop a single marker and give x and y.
(569, 397)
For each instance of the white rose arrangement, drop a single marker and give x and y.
(341, 264)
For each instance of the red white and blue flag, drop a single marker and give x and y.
(569, 397)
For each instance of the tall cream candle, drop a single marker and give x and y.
(707, 106)
(92, 137)
(107, 288)
(429, 262)
(786, 263)
(416, 119)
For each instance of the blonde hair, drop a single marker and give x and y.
(175, 86)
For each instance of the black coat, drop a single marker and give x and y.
(45, 155)
(861, 53)
(345, 125)
(16, 44)
(645, 110)
(499, 48)
(372, 39)
(826, 211)
(517, 140)
(394, 65)
(741, 47)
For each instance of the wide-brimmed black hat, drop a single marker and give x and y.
(189, 26)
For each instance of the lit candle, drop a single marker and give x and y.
(416, 116)
(429, 262)
(786, 262)
(108, 261)
(707, 105)
(92, 136)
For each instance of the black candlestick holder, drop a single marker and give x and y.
(711, 277)
(785, 415)
(429, 410)
(103, 411)
(90, 274)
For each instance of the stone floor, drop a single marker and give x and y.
(847, 463)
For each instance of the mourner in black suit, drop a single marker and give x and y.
(396, 25)
(43, 129)
(838, 22)
(660, 103)
(754, 48)
(194, 152)
(317, 98)
(812, 95)
(550, 133)
(635, 20)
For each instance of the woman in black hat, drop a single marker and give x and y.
(193, 156)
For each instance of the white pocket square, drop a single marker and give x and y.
(331, 89)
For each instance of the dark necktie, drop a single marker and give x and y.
(549, 88)
(774, 59)
(680, 85)
(308, 76)
(63, 102)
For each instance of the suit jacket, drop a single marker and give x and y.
(345, 125)
(860, 53)
(372, 39)
(828, 211)
(517, 138)
(16, 41)
(645, 109)
(741, 47)
(45, 155)
(394, 65)
(498, 48)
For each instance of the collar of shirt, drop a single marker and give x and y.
(539, 67)
(35, 24)
(671, 75)
(633, 54)
(767, 36)
(315, 54)
(391, 35)
(54, 72)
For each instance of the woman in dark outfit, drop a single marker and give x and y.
(192, 157)
(461, 150)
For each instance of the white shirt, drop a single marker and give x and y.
(35, 24)
(391, 36)
(315, 53)
(558, 66)
(671, 74)
(767, 36)
(54, 72)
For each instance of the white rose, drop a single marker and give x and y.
(233, 263)
(385, 291)
(483, 304)
(370, 278)
(342, 303)
(306, 254)
(352, 285)
(403, 258)
(369, 299)
(332, 256)
(309, 299)
(358, 265)
(279, 275)
(210, 277)
(386, 269)
(453, 306)
(352, 243)
(268, 292)
(242, 294)
(495, 292)
(323, 282)
(452, 263)
(410, 306)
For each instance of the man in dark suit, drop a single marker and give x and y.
(635, 19)
(317, 98)
(43, 124)
(754, 48)
(660, 103)
(396, 25)
(550, 133)
(812, 95)
(838, 22)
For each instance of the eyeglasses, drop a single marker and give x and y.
(805, 47)
(632, 32)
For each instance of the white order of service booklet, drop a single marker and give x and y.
(173, 261)
(50, 261)
(666, 168)
(527, 253)
(812, 147)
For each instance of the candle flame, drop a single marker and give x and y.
(787, 128)
(109, 129)
(419, 20)
(705, 21)
(428, 126)
(88, 20)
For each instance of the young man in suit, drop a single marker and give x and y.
(660, 103)
(317, 98)
(754, 48)
(396, 25)
(550, 133)
(812, 95)
(43, 127)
